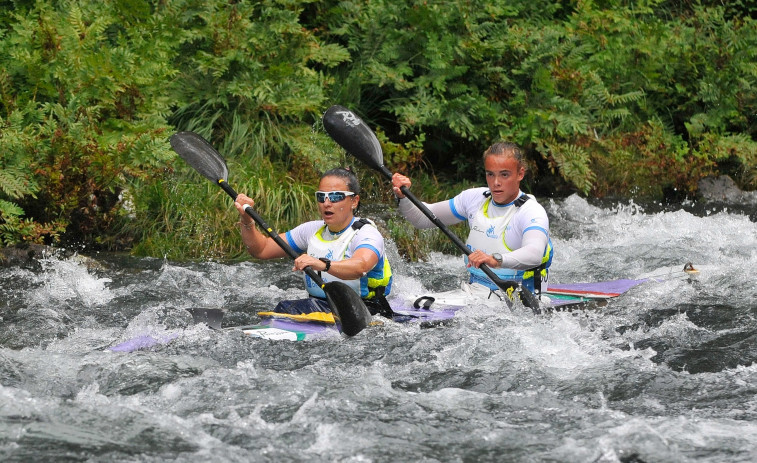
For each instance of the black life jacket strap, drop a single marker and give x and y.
(521, 201)
(358, 224)
(537, 278)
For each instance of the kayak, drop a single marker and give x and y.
(599, 293)
(295, 327)
(427, 310)
(281, 326)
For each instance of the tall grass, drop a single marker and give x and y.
(181, 215)
(197, 220)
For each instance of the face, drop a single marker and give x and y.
(337, 215)
(503, 176)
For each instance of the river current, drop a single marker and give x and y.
(665, 373)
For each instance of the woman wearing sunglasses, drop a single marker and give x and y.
(341, 246)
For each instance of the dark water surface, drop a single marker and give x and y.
(663, 374)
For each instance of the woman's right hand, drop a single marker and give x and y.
(399, 180)
(239, 203)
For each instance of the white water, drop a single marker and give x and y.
(663, 374)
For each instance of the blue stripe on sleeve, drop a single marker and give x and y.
(290, 240)
(371, 248)
(537, 228)
(454, 211)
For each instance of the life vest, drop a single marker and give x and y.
(377, 280)
(488, 234)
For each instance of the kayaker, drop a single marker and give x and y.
(509, 230)
(340, 246)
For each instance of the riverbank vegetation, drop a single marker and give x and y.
(630, 98)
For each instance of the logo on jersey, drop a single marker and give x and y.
(349, 118)
(490, 232)
(330, 254)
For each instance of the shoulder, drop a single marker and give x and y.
(368, 236)
(532, 214)
(533, 206)
(307, 228)
(472, 197)
(473, 194)
(369, 230)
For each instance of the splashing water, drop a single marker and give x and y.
(664, 373)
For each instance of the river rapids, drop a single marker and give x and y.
(665, 373)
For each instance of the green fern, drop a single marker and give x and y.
(14, 183)
(572, 162)
(9, 209)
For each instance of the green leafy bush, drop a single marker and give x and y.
(82, 115)
(617, 97)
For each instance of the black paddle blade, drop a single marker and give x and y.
(350, 313)
(211, 317)
(201, 155)
(530, 300)
(352, 134)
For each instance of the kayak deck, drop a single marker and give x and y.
(300, 327)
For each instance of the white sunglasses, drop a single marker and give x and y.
(334, 196)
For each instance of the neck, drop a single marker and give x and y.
(339, 228)
(508, 201)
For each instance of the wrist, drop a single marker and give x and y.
(327, 262)
(245, 225)
(497, 260)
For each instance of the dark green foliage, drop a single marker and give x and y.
(614, 97)
(569, 86)
(732, 9)
(250, 80)
(85, 90)
(80, 109)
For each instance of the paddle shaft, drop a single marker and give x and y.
(270, 232)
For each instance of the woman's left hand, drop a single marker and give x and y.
(476, 258)
(306, 260)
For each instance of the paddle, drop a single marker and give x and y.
(350, 313)
(352, 134)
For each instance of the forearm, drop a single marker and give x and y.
(419, 220)
(529, 255)
(252, 239)
(350, 269)
(257, 244)
(361, 262)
